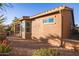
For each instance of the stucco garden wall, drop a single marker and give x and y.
(67, 43)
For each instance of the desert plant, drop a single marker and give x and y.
(46, 52)
(2, 37)
(5, 42)
(4, 49)
(4, 5)
(7, 49)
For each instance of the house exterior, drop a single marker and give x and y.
(15, 28)
(57, 22)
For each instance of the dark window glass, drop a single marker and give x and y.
(27, 29)
(50, 20)
(27, 23)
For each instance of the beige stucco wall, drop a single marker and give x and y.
(41, 30)
(67, 23)
(55, 42)
(60, 28)
(68, 44)
(24, 34)
(23, 31)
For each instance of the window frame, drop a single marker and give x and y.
(48, 22)
(28, 24)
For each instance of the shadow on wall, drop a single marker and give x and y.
(52, 40)
(58, 42)
(42, 39)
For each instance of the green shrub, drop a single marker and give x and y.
(7, 49)
(46, 52)
(2, 37)
(4, 49)
(1, 48)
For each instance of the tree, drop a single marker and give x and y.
(2, 9)
(2, 16)
(15, 25)
(4, 5)
(2, 19)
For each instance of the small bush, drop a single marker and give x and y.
(4, 49)
(46, 52)
(2, 37)
(7, 49)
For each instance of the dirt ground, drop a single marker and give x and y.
(21, 47)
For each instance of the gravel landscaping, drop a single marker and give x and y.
(21, 47)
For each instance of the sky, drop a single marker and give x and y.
(29, 9)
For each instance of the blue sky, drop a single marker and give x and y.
(30, 9)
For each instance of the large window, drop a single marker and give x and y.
(28, 24)
(49, 20)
